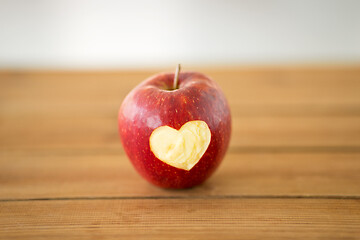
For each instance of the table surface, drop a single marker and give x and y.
(292, 169)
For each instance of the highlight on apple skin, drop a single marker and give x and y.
(175, 128)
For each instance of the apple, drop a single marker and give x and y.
(175, 128)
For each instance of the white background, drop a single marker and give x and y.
(137, 34)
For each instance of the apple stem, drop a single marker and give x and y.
(176, 77)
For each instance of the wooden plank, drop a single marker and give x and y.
(256, 86)
(295, 131)
(101, 132)
(271, 107)
(181, 219)
(97, 173)
(260, 92)
(303, 89)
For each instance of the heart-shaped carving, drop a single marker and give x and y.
(181, 149)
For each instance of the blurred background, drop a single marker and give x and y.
(98, 34)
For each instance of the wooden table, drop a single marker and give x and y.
(292, 169)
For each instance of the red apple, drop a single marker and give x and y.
(175, 128)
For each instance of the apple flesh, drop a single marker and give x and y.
(181, 149)
(175, 137)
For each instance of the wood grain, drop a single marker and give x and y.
(291, 172)
(52, 174)
(271, 107)
(182, 218)
(27, 132)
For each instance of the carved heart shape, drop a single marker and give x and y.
(181, 149)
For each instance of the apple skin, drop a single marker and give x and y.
(153, 103)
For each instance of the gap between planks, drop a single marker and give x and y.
(353, 197)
